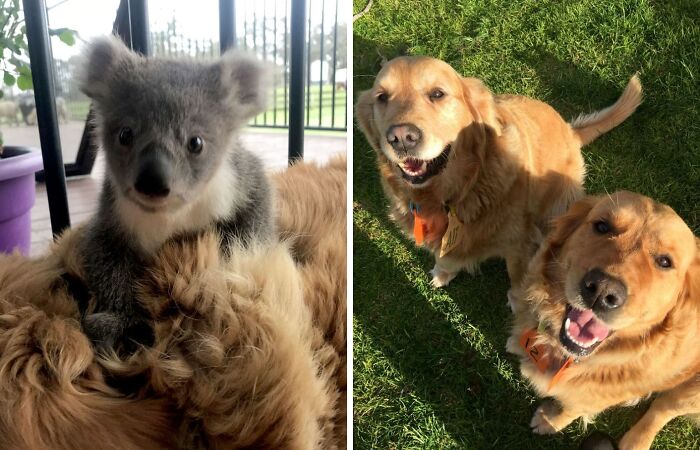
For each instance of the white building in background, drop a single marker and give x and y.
(323, 72)
(319, 71)
(341, 76)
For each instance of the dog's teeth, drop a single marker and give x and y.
(567, 324)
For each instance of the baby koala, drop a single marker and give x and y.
(174, 168)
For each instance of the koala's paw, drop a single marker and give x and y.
(114, 332)
(103, 329)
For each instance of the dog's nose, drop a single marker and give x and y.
(403, 137)
(602, 291)
(152, 179)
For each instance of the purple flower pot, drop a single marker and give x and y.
(17, 193)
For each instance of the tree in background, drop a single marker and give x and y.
(14, 53)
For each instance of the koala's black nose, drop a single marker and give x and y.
(403, 137)
(602, 291)
(152, 179)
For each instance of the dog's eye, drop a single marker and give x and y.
(383, 97)
(126, 136)
(195, 144)
(664, 262)
(601, 227)
(436, 94)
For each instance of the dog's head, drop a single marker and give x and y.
(418, 111)
(623, 263)
(166, 125)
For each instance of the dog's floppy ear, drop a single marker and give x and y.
(692, 277)
(566, 224)
(104, 56)
(482, 104)
(562, 227)
(246, 82)
(364, 112)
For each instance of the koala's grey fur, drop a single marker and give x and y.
(165, 103)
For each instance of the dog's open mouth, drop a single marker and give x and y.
(581, 331)
(418, 171)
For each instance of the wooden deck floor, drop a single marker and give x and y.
(83, 192)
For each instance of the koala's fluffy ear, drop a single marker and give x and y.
(246, 81)
(103, 56)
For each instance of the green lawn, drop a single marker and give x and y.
(78, 109)
(318, 100)
(430, 369)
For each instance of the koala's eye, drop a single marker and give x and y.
(383, 97)
(195, 144)
(601, 227)
(664, 261)
(126, 136)
(436, 94)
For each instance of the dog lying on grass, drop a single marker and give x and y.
(609, 313)
(248, 353)
(472, 175)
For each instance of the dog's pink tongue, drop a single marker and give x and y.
(413, 165)
(584, 327)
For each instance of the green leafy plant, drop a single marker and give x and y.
(14, 54)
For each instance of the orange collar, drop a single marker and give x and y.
(424, 225)
(420, 227)
(542, 357)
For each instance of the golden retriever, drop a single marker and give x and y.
(609, 313)
(250, 352)
(470, 174)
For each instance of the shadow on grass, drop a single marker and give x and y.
(448, 343)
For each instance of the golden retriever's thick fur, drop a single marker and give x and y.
(505, 164)
(643, 306)
(249, 352)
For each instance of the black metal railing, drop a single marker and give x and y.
(264, 28)
(267, 33)
(131, 25)
(44, 96)
(134, 32)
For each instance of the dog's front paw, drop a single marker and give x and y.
(636, 440)
(545, 419)
(512, 346)
(440, 277)
(511, 302)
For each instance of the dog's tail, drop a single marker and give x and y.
(589, 126)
